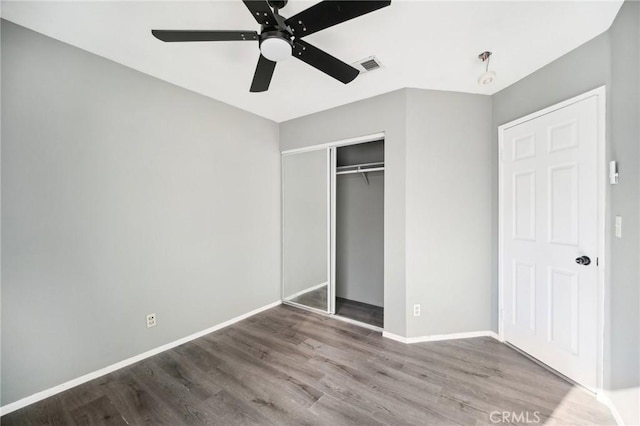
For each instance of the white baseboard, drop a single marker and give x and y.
(306, 290)
(437, 337)
(604, 398)
(118, 365)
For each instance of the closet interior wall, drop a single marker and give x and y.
(360, 226)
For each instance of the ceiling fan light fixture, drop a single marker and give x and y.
(275, 49)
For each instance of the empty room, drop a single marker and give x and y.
(271, 212)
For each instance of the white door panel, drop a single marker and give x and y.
(549, 217)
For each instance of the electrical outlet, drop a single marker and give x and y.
(416, 310)
(151, 320)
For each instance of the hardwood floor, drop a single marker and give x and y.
(287, 366)
(363, 312)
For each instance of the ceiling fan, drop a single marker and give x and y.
(281, 37)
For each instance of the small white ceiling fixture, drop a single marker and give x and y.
(275, 49)
(487, 76)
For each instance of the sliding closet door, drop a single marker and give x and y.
(305, 210)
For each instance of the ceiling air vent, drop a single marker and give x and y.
(368, 64)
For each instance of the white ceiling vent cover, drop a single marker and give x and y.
(368, 64)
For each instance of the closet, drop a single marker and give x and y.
(360, 232)
(333, 230)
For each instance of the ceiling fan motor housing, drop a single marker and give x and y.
(276, 34)
(277, 4)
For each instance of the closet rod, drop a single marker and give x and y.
(352, 166)
(346, 172)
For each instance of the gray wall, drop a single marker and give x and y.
(623, 378)
(305, 224)
(381, 113)
(123, 195)
(437, 162)
(448, 187)
(360, 238)
(362, 153)
(612, 60)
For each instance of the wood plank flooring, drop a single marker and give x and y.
(287, 366)
(363, 312)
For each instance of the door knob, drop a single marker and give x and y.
(583, 260)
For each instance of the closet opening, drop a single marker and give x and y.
(333, 229)
(359, 232)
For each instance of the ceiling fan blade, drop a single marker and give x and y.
(329, 13)
(324, 62)
(261, 11)
(263, 74)
(195, 35)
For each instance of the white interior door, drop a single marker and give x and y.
(549, 221)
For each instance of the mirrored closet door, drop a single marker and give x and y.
(306, 228)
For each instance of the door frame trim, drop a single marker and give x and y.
(341, 142)
(603, 216)
(333, 163)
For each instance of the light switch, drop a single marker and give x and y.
(619, 226)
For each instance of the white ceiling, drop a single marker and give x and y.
(422, 44)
